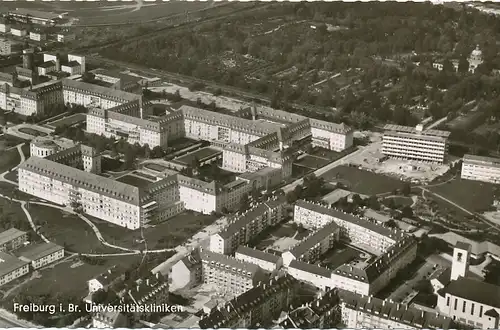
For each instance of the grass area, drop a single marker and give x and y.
(75, 119)
(472, 195)
(300, 171)
(207, 174)
(312, 162)
(155, 167)
(168, 234)
(338, 256)
(200, 154)
(8, 141)
(12, 176)
(69, 278)
(10, 158)
(26, 150)
(66, 230)
(31, 131)
(134, 181)
(361, 181)
(12, 215)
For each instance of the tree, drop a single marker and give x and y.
(244, 203)
(88, 77)
(157, 152)
(406, 189)
(407, 212)
(463, 65)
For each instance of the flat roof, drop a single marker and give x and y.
(37, 251)
(35, 13)
(495, 162)
(413, 130)
(257, 254)
(10, 234)
(9, 263)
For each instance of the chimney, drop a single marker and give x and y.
(383, 302)
(137, 288)
(422, 314)
(369, 299)
(147, 281)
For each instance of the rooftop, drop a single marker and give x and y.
(477, 248)
(402, 314)
(494, 162)
(10, 234)
(310, 241)
(34, 252)
(9, 263)
(257, 254)
(477, 291)
(232, 264)
(35, 13)
(413, 130)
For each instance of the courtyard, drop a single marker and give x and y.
(77, 118)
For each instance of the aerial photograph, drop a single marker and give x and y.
(216, 164)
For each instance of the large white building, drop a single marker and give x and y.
(11, 268)
(479, 168)
(393, 251)
(466, 300)
(415, 143)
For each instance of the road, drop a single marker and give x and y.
(325, 169)
(406, 288)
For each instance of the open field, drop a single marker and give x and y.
(167, 234)
(200, 155)
(9, 159)
(400, 201)
(134, 181)
(472, 195)
(361, 181)
(7, 141)
(75, 119)
(66, 230)
(12, 176)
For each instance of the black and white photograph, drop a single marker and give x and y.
(247, 164)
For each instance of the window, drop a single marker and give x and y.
(455, 305)
(481, 311)
(448, 301)
(472, 309)
(463, 307)
(459, 257)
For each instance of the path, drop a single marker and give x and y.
(437, 123)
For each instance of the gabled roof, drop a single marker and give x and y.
(474, 290)
(257, 254)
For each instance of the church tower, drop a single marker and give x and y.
(460, 264)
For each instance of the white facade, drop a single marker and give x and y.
(415, 143)
(19, 32)
(331, 140)
(72, 70)
(4, 28)
(38, 36)
(11, 268)
(79, 59)
(486, 169)
(269, 266)
(48, 259)
(94, 285)
(65, 37)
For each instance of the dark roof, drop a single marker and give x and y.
(313, 269)
(148, 288)
(35, 13)
(47, 64)
(445, 276)
(480, 292)
(110, 276)
(257, 254)
(249, 300)
(9, 263)
(463, 246)
(35, 252)
(310, 241)
(10, 234)
(193, 260)
(396, 312)
(72, 64)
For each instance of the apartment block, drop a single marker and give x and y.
(267, 261)
(415, 143)
(41, 255)
(359, 311)
(11, 268)
(242, 228)
(230, 275)
(187, 272)
(480, 168)
(12, 239)
(313, 246)
(257, 307)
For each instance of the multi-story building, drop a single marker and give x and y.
(152, 290)
(228, 274)
(321, 313)
(72, 68)
(44, 146)
(248, 225)
(267, 261)
(25, 15)
(8, 47)
(255, 308)
(11, 268)
(313, 246)
(105, 280)
(187, 271)
(415, 143)
(41, 255)
(12, 239)
(360, 311)
(466, 300)
(109, 319)
(65, 37)
(394, 251)
(38, 36)
(480, 168)
(119, 80)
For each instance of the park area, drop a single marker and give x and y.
(361, 181)
(32, 132)
(474, 196)
(135, 181)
